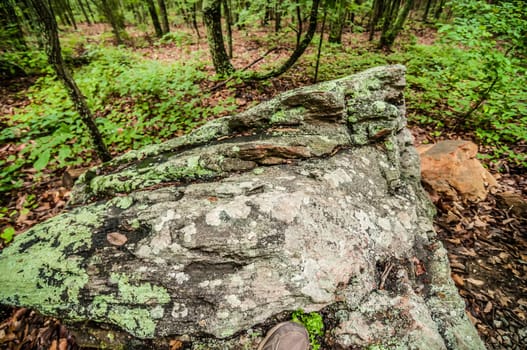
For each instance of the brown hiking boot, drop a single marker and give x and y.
(286, 336)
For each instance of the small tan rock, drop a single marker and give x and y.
(450, 169)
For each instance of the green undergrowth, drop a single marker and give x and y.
(313, 323)
(475, 90)
(135, 101)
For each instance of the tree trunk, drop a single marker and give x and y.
(195, 19)
(155, 19)
(90, 11)
(228, 22)
(84, 13)
(52, 45)
(439, 9)
(164, 16)
(388, 37)
(299, 23)
(337, 20)
(299, 49)
(9, 20)
(376, 14)
(112, 12)
(320, 44)
(69, 12)
(427, 10)
(277, 17)
(212, 19)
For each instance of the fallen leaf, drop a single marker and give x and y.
(487, 308)
(176, 344)
(458, 280)
(116, 238)
(475, 282)
(472, 319)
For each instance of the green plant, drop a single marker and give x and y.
(7, 234)
(136, 102)
(313, 323)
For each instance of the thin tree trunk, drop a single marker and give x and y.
(299, 49)
(212, 19)
(112, 12)
(337, 20)
(90, 11)
(52, 44)
(84, 13)
(155, 19)
(278, 17)
(376, 13)
(195, 19)
(439, 9)
(320, 45)
(427, 10)
(299, 23)
(228, 22)
(10, 21)
(388, 37)
(164, 16)
(69, 11)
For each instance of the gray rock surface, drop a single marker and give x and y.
(311, 200)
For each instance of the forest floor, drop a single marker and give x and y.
(486, 241)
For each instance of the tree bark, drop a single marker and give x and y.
(53, 50)
(155, 19)
(212, 19)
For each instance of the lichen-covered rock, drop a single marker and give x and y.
(311, 200)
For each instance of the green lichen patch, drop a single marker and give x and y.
(143, 293)
(135, 306)
(121, 202)
(291, 116)
(44, 267)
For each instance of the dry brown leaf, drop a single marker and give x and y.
(472, 319)
(475, 282)
(116, 238)
(479, 223)
(458, 280)
(487, 308)
(467, 251)
(176, 344)
(63, 344)
(508, 221)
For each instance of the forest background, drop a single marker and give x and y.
(150, 71)
(129, 73)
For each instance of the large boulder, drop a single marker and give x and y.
(309, 201)
(449, 169)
